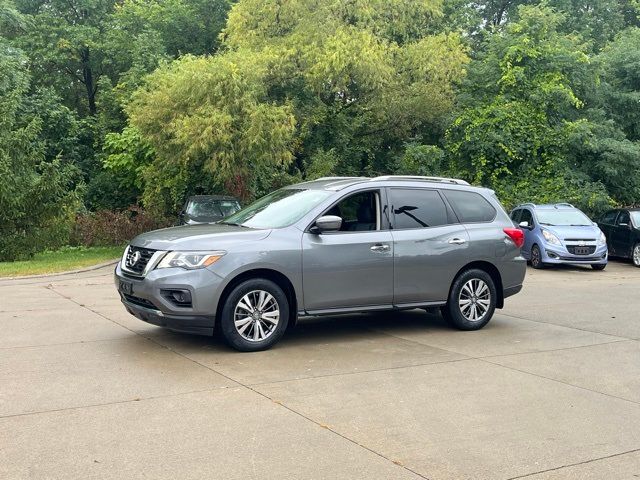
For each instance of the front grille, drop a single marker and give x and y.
(137, 259)
(584, 250)
(141, 302)
(579, 239)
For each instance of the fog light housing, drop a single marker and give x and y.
(178, 297)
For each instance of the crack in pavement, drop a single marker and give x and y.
(575, 464)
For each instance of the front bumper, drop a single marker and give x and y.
(558, 254)
(146, 302)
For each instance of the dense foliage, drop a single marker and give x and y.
(110, 103)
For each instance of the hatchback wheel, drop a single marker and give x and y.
(636, 255)
(254, 315)
(472, 300)
(536, 257)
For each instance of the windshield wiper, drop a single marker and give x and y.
(547, 224)
(234, 224)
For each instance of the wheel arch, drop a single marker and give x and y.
(275, 276)
(491, 270)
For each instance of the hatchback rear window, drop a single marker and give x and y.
(470, 207)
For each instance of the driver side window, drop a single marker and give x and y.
(623, 219)
(526, 217)
(359, 212)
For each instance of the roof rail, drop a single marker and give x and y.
(455, 181)
(563, 204)
(528, 204)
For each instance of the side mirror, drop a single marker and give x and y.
(524, 224)
(327, 223)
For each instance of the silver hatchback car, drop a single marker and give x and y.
(329, 246)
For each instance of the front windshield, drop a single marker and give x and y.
(563, 217)
(278, 209)
(635, 216)
(209, 207)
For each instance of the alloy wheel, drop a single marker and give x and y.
(256, 315)
(636, 255)
(474, 300)
(535, 256)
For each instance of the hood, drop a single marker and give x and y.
(564, 232)
(207, 236)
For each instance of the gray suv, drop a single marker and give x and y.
(329, 246)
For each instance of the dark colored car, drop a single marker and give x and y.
(622, 229)
(208, 208)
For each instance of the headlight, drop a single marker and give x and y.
(190, 260)
(550, 237)
(602, 240)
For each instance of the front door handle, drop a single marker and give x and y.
(457, 241)
(380, 247)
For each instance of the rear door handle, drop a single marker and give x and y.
(380, 247)
(457, 241)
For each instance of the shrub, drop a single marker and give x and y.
(107, 227)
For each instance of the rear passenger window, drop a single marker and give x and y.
(470, 207)
(417, 208)
(515, 216)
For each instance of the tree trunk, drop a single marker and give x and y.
(88, 80)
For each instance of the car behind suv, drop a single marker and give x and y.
(622, 229)
(329, 246)
(207, 209)
(560, 233)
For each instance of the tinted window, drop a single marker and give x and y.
(623, 218)
(515, 216)
(609, 217)
(526, 217)
(417, 208)
(470, 207)
(359, 212)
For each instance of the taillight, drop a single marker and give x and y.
(516, 235)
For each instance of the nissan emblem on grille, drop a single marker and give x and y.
(133, 259)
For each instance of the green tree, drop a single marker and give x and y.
(519, 110)
(36, 201)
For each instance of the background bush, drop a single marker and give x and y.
(107, 228)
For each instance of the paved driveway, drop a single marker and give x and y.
(550, 389)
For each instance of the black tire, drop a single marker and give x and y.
(238, 340)
(536, 258)
(452, 311)
(598, 266)
(635, 255)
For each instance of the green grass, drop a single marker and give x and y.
(68, 258)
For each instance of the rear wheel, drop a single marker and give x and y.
(255, 315)
(536, 257)
(598, 266)
(472, 300)
(636, 255)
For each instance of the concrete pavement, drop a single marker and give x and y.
(550, 389)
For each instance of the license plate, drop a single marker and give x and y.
(582, 250)
(126, 287)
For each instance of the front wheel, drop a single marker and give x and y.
(636, 255)
(598, 266)
(255, 315)
(536, 258)
(472, 300)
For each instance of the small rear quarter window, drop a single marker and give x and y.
(470, 207)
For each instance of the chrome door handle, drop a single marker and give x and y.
(380, 248)
(457, 241)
